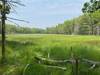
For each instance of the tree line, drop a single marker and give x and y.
(13, 29)
(86, 24)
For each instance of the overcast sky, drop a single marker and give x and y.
(47, 13)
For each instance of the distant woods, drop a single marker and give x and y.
(13, 29)
(86, 24)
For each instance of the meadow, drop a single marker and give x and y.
(21, 50)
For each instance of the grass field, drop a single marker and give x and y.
(21, 50)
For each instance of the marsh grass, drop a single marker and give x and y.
(21, 49)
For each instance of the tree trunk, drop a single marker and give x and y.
(3, 33)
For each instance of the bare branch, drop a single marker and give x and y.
(12, 7)
(15, 2)
(13, 22)
(18, 19)
(57, 67)
(91, 62)
(50, 61)
(93, 66)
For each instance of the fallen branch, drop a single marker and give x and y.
(91, 62)
(57, 67)
(52, 62)
(61, 62)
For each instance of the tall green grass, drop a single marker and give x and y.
(21, 50)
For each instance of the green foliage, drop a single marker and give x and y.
(5, 8)
(92, 6)
(21, 50)
(11, 29)
(87, 24)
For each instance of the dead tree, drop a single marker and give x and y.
(3, 18)
(5, 7)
